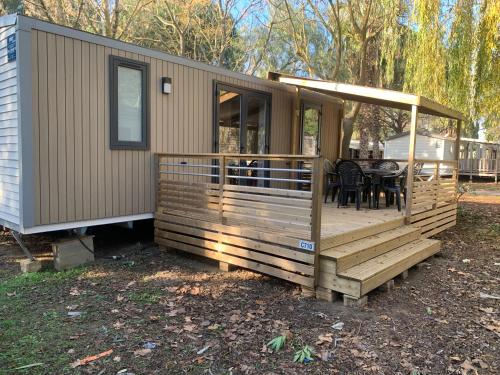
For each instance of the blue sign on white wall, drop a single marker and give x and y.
(11, 47)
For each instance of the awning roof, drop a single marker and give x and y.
(369, 95)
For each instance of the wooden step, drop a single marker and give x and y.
(378, 270)
(357, 234)
(353, 253)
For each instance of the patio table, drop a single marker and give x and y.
(376, 177)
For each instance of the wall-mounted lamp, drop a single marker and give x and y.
(166, 85)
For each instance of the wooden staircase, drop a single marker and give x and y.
(363, 260)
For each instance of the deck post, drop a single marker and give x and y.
(317, 193)
(157, 174)
(411, 162)
(437, 166)
(497, 160)
(456, 169)
(222, 179)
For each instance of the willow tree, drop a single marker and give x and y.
(485, 80)
(425, 51)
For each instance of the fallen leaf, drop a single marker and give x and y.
(84, 361)
(324, 338)
(480, 363)
(234, 318)
(487, 310)
(142, 352)
(189, 327)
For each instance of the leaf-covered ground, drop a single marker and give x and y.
(168, 313)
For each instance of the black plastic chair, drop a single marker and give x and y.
(378, 183)
(352, 180)
(332, 179)
(417, 170)
(393, 185)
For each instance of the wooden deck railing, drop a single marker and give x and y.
(261, 212)
(432, 199)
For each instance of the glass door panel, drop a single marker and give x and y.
(256, 129)
(229, 122)
(242, 127)
(311, 116)
(256, 125)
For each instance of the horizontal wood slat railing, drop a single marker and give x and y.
(261, 212)
(433, 205)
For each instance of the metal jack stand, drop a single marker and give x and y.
(27, 265)
(19, 241)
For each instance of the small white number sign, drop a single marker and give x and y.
(306, 245)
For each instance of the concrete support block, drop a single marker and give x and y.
(73, 252)
(403, 275)
(422, 265)
(307, 292)
(387, 287)
(350, 301)
(28, 265)
(226, 267)
(326, 294)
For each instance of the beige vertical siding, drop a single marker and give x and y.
(77, 176)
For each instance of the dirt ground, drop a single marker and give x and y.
(168, 313)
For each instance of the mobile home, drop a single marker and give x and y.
(477, 158)
(82, 116)
(231, 167)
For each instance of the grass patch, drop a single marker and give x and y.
(468, 215)
(143, 298)
(29, 330)
(495, 229)
(28, 280)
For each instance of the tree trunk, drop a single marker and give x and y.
(375, 131)
(348, 127)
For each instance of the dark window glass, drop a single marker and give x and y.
(129, 104)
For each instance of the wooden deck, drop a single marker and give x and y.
(361, 250)
(335, 221)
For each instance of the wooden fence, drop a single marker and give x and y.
(260, 212)
(433, 201)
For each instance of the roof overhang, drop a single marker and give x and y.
(369, 95)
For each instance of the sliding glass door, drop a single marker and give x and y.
(241, 126)
(242, 120)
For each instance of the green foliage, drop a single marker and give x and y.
(425, 51)
(148, 297)
(27, 280)
(277, 343)
(304, 355)
(463, 189)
